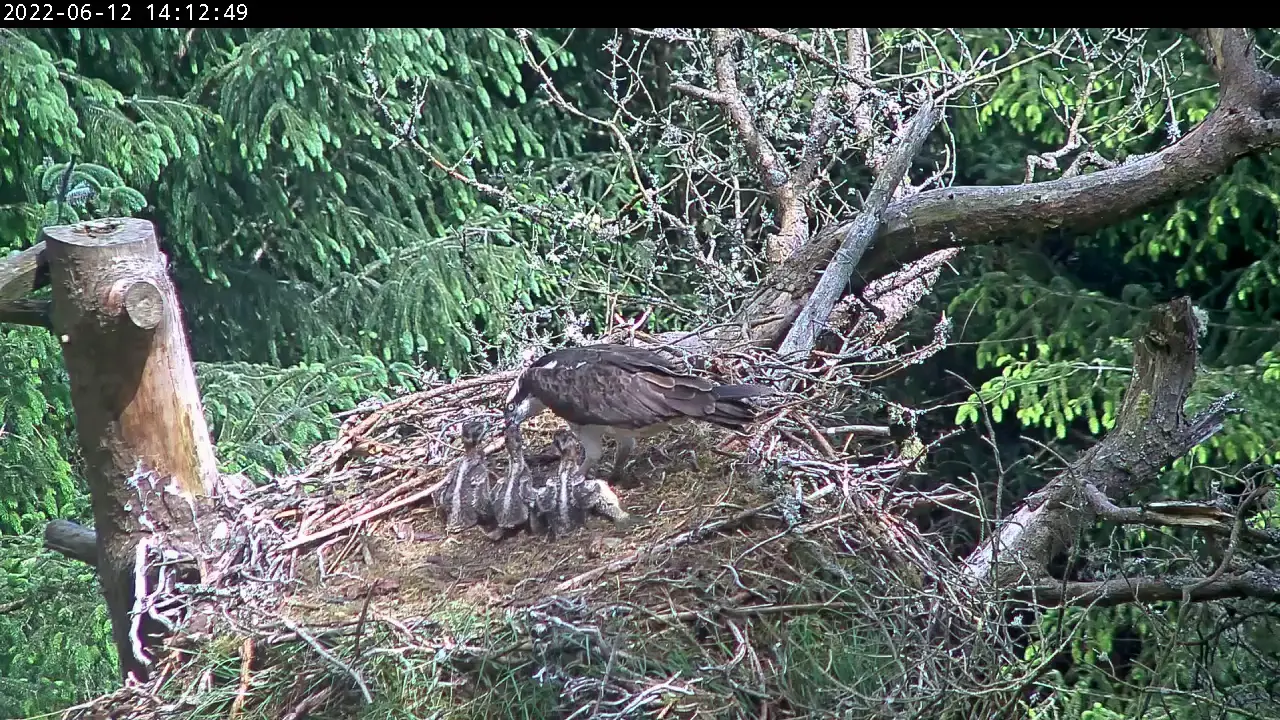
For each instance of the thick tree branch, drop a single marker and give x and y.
(1258, 583)
(812, 318)
(1242, 123)
(72, 540)
(1200, 516)
(23, 271)
(1151, 431)
(26, 312)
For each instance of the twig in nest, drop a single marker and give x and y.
(365, 516)
(242, 692)
(309, 703)
(364, 614)
(827, 451)
(315, 645)
(348, 438)
(683, 538)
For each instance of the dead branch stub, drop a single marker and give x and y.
(138, 412)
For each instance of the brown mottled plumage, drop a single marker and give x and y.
(465, 499)
(513, 499)
(556, 502)
(624, 391)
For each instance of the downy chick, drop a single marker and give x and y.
(466, 498)
(514, 500)
(558, 501)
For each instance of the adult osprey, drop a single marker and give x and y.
(623, 391)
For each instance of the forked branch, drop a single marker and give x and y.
(1151, 431)
(1243, 122)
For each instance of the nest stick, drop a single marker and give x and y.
(364, 517)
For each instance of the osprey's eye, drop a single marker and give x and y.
(511, 410)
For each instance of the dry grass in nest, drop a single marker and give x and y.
(410, 551)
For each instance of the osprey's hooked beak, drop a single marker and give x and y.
(523, 409)
(521, 404)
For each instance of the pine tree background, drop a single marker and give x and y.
(306, 187)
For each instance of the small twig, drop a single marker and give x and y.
(348, 437)
(813, 316)
(365, 517)
(809, 52)
(1232, 545)
(364, 614)
(876, 430)
(309, 703)
(315, 645)
(827, 451)
(242, 692)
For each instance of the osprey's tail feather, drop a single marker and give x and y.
(731, 411)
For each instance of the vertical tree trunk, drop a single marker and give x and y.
(138, 411)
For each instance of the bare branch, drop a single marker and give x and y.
(786, 187)
(700, 93)
(1258, 583)
(1151, 430)
(918, 225)
(23, 271)
(1201, 516)
(813, 317)
(850, 73)
(1240, 125)
(773, 171)
(1049, 160)
(35, 313)
(821, 126)
(72, 540)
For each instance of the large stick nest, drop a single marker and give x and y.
(779, 574)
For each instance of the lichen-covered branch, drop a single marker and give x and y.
(1242, 123)
(812, 318)
(1258, 583)
(786, 187)
(1151, 430)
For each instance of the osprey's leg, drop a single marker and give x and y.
(592, 439)
(626, 444)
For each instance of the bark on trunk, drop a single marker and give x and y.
(138, 412)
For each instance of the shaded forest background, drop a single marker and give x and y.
(350, 212)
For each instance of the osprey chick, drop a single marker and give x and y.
(513, 501)
(465, 499)
(623, 391)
